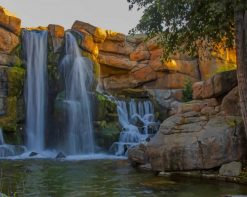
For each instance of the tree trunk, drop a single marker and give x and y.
(241, 47)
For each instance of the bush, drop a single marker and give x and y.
(187, 91)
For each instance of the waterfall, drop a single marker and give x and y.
(1, 137)
(137, 122)
(35, 51)
(78, 77)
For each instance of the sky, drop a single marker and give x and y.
(108, 14)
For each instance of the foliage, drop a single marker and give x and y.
(187, 91)
(187, 25)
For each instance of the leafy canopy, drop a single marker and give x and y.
(185, 25)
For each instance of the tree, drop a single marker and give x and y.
(185, 25)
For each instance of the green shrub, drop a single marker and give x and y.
(187, 91)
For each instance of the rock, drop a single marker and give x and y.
(190, 68)
(230, 104)
(98, 34)
(116, 61)
(123, 48)
(32, 154)
(153, 43)
(60, 155)
(224, 82)
(191, 142)
(9, 21)
(156, 54)
(118, 82)
(137, 155)
(57, 36)
(139, 55)
(8, 60)
(107, 71)
(144, 74)
(197, 105)
(87, 43)
(231, 169)
(165, 97)
(170, 81)
(115, 36)
(8, 41)
(216, 61)
(136, 39)
(216, 86)
(134, 93)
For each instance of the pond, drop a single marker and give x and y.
(40, 177)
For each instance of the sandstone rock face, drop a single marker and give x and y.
(116, 61)
(216, 86)
(8, 41)
(123, 48)
(231, 169)
(57, 36)
(9, 21)
(192, 141)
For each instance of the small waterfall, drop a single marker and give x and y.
(35, 50)
(138, 123)
(1, 137)
(7, 150)
(78, 76)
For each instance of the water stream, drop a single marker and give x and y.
(78, 76)
(35, 52)
(138, 124)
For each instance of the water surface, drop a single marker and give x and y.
(100, 178)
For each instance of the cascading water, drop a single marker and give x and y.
(35, 50)
(9, 150)
(1, 137)
(78, 76)
(138, 123)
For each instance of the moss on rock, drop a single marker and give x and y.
(16, 78)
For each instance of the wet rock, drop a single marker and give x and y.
(32, 154)
(137, 155)
(231, 169)
(60, 155)
(57, 35)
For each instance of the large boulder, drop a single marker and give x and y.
(231, 169)
(8, 41)
(192, 141)
(230, 103)
(216, 86)
(9, 21)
